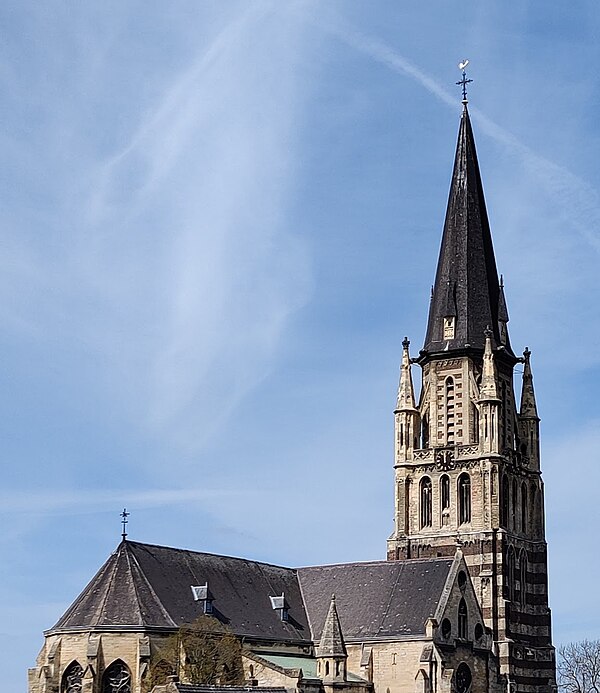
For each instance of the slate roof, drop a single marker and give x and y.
(377, 599)
(149, 587)
(466, 282)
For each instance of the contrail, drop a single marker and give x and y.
(579, 202)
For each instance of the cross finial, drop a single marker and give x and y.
(124, 521)
(464, 81)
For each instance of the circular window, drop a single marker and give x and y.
(462, 579)
(463, 678)
(446, 628)
(478, 631)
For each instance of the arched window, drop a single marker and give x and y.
(72, 679)
(445, 498)
(513, 506)
(463, 620)
(425, 502)
(450, 411)
(533, 509)
(425, 431)
(326, 668)
(117, 678)
(511, 573)
(523, 581)
(463, 678)
(505, 502)
(524, 508)
(474, 423)
(464, 499)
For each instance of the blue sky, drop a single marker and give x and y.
(218, 222)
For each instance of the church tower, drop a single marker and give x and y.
(467, 462)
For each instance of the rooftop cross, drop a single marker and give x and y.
(124, 521)
(464, 81)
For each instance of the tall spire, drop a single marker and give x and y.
(406, 391)
(528, 405)
(466, 295)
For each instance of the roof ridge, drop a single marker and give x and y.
(83, 594)
(110, 580)
(210, 553)
(150, 588)
(383, 561)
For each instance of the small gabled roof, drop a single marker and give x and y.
(375, 599)
(150, 586)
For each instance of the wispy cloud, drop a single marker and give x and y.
(185, 268)
(575, 200)
(84, 501)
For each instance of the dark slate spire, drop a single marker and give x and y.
(466, 295)
(332, 641)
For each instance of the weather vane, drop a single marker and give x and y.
(464, 81)
(124, 521)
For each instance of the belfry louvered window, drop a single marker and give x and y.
(425, 498)
(450, 411)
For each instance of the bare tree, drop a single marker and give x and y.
(201, 652)
(578, 667)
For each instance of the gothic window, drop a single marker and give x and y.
(505, 502)
(450, 411)
(445, 498)
(425, 502)
(445, 492)
(523, 567)
(533, 509)
(463, 620)
(72, 679)
(474, 423)
(511, 573)
(117, 678)
(463, 678)
(464, 499)
(524, 508)
(514, 506)
(425, 431)
(504, 415)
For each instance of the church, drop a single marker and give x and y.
(459, 604)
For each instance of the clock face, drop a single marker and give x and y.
(463, 678)
(445, 460)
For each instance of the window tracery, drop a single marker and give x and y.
(426, 502)
(117, 678)
(72, 681)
